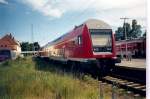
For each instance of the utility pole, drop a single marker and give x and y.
(125, 18)
(32, 37)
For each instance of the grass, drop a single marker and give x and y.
(24, 78)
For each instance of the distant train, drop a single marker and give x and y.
(136, 46)
(92, 41)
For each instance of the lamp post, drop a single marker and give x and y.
(125, 18)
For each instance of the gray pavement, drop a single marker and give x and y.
(135, 63)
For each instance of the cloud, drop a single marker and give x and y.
(3, 2)
(109, 10)
(45, 7)
(112, 16)
(108, 4)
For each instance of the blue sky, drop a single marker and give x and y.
(52, 18)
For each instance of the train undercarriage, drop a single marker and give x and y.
(100, 67)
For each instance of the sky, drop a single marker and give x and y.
(52, 18)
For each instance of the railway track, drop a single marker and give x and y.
(131, 79)
(128, 78)
(136, 88)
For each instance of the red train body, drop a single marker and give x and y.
(92, 41)
(136, 46)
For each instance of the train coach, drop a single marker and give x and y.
(136, 46)
(92, 41)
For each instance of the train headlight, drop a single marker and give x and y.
(108, 48)
(95, 49)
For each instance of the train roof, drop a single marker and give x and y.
(130, 41)
(91, 24)
(97, 24)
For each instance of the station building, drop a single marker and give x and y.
(9, 47)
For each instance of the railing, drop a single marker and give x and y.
(24, 52)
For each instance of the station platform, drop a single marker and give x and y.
(134, 63)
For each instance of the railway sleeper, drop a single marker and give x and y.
(135, 87)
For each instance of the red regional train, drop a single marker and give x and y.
(92, 41)
(136, 46)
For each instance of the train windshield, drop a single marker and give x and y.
(101, 40)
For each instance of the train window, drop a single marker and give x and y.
(101, 40)
(80, 40)
(101, 37)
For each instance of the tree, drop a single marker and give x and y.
(136, 30)
(144, 35)
(119, 34)
(26, 46)
(133, 31)
(128, 29)
(134, 23)
(31, 47)
(36, 46)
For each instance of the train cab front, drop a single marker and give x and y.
(103, 48)
(102, 44)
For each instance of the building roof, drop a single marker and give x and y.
(9, 40)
